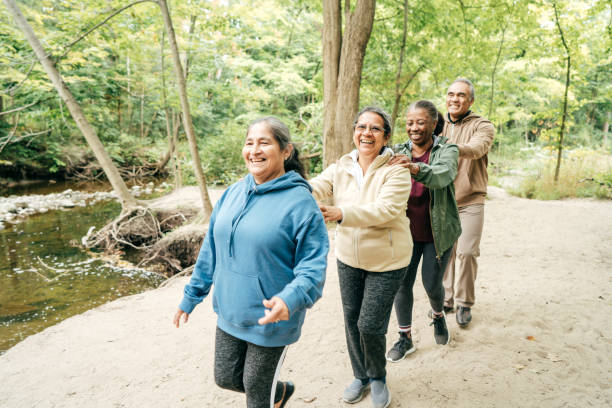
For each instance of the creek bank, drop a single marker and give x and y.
(15, 208)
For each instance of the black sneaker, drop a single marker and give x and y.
(401, 349)
(464, 316)
(449, 309)
(441, 333)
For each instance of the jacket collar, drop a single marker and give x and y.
(465, 115)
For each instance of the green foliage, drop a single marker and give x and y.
(253, 58)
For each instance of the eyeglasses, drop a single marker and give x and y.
(376, 131)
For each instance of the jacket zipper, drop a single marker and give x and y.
(373, 165)
(438, 256)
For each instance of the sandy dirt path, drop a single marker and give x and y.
(540, 336)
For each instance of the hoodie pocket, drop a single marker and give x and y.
(238, 299)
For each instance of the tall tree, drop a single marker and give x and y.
(128, 202)
(567, 84)
(343, 55)
(187, 122)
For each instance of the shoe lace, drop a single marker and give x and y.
(437, 322)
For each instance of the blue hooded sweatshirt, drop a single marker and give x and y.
(263, 240)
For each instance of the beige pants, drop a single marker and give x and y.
(459, 282)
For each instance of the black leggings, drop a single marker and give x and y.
(432, 273)
(246, 367)
(367, 300)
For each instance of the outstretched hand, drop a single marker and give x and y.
(276, 310)
(399, 160)
(177, 317)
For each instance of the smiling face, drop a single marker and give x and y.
(420, 126)
(262, 154)
(369, 135)
(459, 99)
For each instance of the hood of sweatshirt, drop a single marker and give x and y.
(288, 180)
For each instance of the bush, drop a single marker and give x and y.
(583, 173)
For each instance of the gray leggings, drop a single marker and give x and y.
(367, 300)
(432, 273)
(246, 367)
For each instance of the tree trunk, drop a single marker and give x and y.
(187, 123)
(398, 95)
(567, 83)
(128, 202)
(499, 51)
(342, 64)
(606, 127)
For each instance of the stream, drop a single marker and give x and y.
(44, 278)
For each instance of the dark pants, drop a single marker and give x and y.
(245, 367)
(432, 273)
(367, 299)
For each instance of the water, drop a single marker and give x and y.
(44, 280)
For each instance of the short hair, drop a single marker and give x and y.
(281, 134)
(384, 115)
(469, 84)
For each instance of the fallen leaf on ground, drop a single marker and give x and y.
(309, 399)
(530, 338)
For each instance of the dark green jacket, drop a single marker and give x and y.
(438, 176)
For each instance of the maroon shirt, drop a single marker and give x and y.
(418, 207)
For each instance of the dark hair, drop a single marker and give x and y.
(280, 131)
(469, 84)
(432, 112)
(384, 115)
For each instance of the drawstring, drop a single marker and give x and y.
(235, 223)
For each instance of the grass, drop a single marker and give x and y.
(529, 172)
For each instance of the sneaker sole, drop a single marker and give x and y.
(412, 350)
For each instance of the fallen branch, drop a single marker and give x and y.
(184, 272)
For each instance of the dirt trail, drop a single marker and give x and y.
(541, 334)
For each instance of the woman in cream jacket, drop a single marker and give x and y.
(373, 246)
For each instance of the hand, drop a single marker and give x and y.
(276, 310)
(177, 317)
(399, 160)
(330, 213)
(414, 168)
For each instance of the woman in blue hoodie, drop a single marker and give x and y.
(266, 254)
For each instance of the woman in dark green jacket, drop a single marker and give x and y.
(434, 219)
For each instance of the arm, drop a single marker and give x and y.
(323, 184)
(441, 173)
(202, 277)
(310, 264)
(390, 201)
(479, 142)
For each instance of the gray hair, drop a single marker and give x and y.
(469, 84)
(380, 112)
(281, 134)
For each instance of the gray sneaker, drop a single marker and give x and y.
(381, 397)
(401, 348)
(355, 391)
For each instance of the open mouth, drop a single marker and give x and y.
(365, 141)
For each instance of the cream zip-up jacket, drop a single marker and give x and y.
(374, 233)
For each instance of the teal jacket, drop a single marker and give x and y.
(438, 176)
